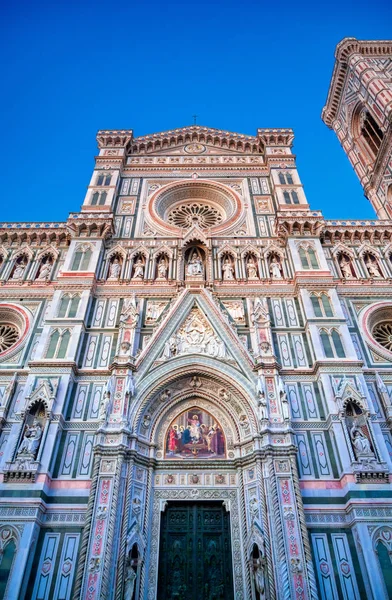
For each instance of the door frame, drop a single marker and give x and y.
(230, 501)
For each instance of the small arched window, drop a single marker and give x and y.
(321, 305)
(285, 179)
(104, 179)
(308, 257)
(68, 306)
(98, 198)
(81, 259)
(371, 132)
(6, 561)
(332, 344)
(290, 197)
(53, 342)
(58, 344)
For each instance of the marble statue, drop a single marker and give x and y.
(360, 443)
(114, 269)
(162, 269)
(372, 268)
(227, 270)
(139, 269)
(45, 271)
(195, 266)
(104, 407)
(19, 271)
(31, 439)
(251, 269)
(259, 577)
(130, 581)
(345, 267)
(275, 268)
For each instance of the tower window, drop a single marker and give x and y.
(290, 197)
(285, 179)
(308, 257)
(104, 179)
(321, 305)
(371, 132)
(332, 344)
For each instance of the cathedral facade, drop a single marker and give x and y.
(196, 370)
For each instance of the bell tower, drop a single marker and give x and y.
(359, 110)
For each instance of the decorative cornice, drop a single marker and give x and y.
(299, 223)
(90, 225)
(344, 50)
(114, 138)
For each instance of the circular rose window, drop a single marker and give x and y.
(14, 326)
(9, 335)
(179, 206)
(382, 333)
(376, 322)
(202, 215)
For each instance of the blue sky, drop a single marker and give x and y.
(71, 68)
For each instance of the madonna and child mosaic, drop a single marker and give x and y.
(195, 434)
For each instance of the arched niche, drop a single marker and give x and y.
(195, 433)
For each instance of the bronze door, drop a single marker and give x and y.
(195, 552)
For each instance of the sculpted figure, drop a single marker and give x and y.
(195, 266)
(130, 581)
(104, 407)
(251, 269)
(259, 577)
(372, 268)
(19, 271)
(139, 269)
(345, 267)
(31, 439)
(115, 269)
(227, 270)
(45, 271)
(360, 443)
(275, 268)
(162, 269)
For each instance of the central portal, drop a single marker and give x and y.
(195, 552)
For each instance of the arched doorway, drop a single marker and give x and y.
(197, 423)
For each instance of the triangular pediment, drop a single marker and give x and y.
(195, 326)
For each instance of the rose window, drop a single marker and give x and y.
(382, 333)
(9, 335)
(203, 215)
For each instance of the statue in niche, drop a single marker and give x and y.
(227, 270)
(114, 269)
(195, 266)
(162, 269)
(258, 564)
(275, 268)
(372, 267)
(104, 407)
(19, 270)
(31, 439)
(139, 269)
(251, 268)
(45, 271)
(130, 581)
(345, 267)
(361, 443)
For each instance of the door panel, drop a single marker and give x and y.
(195, 553)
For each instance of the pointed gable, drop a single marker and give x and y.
(186, 330)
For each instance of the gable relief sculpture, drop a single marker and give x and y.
(195, 336)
